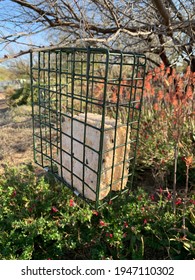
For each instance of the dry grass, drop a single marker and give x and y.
(16, 145)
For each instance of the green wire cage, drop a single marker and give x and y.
(86, 106)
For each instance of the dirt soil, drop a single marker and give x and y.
(16, 146)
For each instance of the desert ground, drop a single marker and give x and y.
(16, 146)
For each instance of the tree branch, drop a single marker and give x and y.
(126, 24)
(39, 11)
(162, 11)
(162, 53)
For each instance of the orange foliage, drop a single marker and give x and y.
(189, 92)
(163, 87)
(160, 95)
(166, 86)
(188, 160)
(155, 106)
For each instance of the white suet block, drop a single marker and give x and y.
(72, 156)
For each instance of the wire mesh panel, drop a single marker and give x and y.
(86, 113)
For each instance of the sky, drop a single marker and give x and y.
(8, 10)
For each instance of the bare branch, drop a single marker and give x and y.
(35, 8)
(178, 14)
(162, 11)
(157, 27)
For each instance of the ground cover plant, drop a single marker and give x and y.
(41, 219)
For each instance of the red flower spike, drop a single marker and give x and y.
(155, 107)
(126, 224)
(160, 190)
(192, 201)
(178, 201)
(109, 234)
(14, 193)
(54, 209)
(102, 223)
(152, 197)
(71, 203)
(145, 221)
(188, 161)
(169, 195)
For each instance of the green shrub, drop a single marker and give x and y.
(21, 96)
(40, 219)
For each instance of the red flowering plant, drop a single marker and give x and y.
(167, 131)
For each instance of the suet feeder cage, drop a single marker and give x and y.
(86, 113)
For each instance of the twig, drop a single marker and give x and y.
(175, 176)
